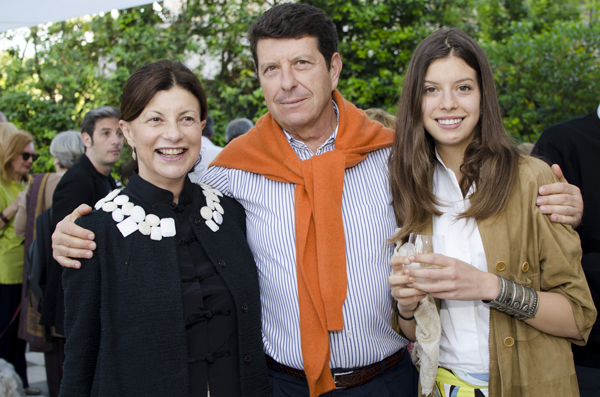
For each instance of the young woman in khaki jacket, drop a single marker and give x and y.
(511, 291)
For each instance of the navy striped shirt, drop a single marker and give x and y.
(369, 221)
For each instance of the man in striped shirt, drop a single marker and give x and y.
(310, 137)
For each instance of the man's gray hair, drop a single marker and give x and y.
(237, 127)
(103, 112)
(67, 147)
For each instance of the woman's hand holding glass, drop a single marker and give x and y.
(451, 278)
(401, 282)
(406, 296)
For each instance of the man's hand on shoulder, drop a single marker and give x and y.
(72, 241)
(562, 200)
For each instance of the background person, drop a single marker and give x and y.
(177, 311)
(575, 145)
(66, 148)
(6, 129)
(381, 116)
(17, 155)
(512, 292)
(208, 153)
(85, 182)
(237, 127)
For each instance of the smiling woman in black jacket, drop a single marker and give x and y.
(169, 304)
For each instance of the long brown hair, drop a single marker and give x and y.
(10, 149)
(490, 160)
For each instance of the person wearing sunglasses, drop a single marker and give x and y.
(17, 155)
(66, 148)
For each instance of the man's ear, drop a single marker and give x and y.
(87, 140)
(335, 70)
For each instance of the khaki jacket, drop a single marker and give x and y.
(523, 245)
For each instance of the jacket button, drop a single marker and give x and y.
(500, 266)
(525, 267)
(221, 263)
(208, 315)
(244, 308)
(509, 342)
(210, 359)
(247, 360)
(198, 221)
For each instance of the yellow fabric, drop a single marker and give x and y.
(11, 246)
(320, 243)
(446, 377)
(525, 362)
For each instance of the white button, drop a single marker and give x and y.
(117, 215)
(127, 227)
(152, 219)
(138, 214)
(109, 207)
(145, 228)
(155, 233)
(206, 213)
(210, 195)
(122, 199)
(213, 226)
(112, 195)
(126, 208)
(167, 227)
(349, 334)
(99, 204)
(217, 217)
(210, 204)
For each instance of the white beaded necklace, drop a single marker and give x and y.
(212, 212)
(149, 224)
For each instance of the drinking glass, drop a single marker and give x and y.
(424, 244)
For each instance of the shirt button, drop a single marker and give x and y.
(525, 267)
(500, 266)
(349, 334)
(221, 263)
(244, 308)
(247, 360)
(509, 342)
(210, 359)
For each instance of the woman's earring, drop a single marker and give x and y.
(133, 152)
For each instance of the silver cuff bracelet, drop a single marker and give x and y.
(515, 300)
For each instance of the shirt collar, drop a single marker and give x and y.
(451, 178)
(299, 144)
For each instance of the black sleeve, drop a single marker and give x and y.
(555, 146)
(82, 325)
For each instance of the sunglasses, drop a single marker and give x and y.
(26, 156)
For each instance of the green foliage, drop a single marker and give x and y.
(544, 52)
(545, 78)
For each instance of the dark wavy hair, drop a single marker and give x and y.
(144, 83)
(490, 160)
(295, 21)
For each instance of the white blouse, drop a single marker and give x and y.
(464, 344)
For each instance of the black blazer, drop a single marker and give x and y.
(124, 315)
